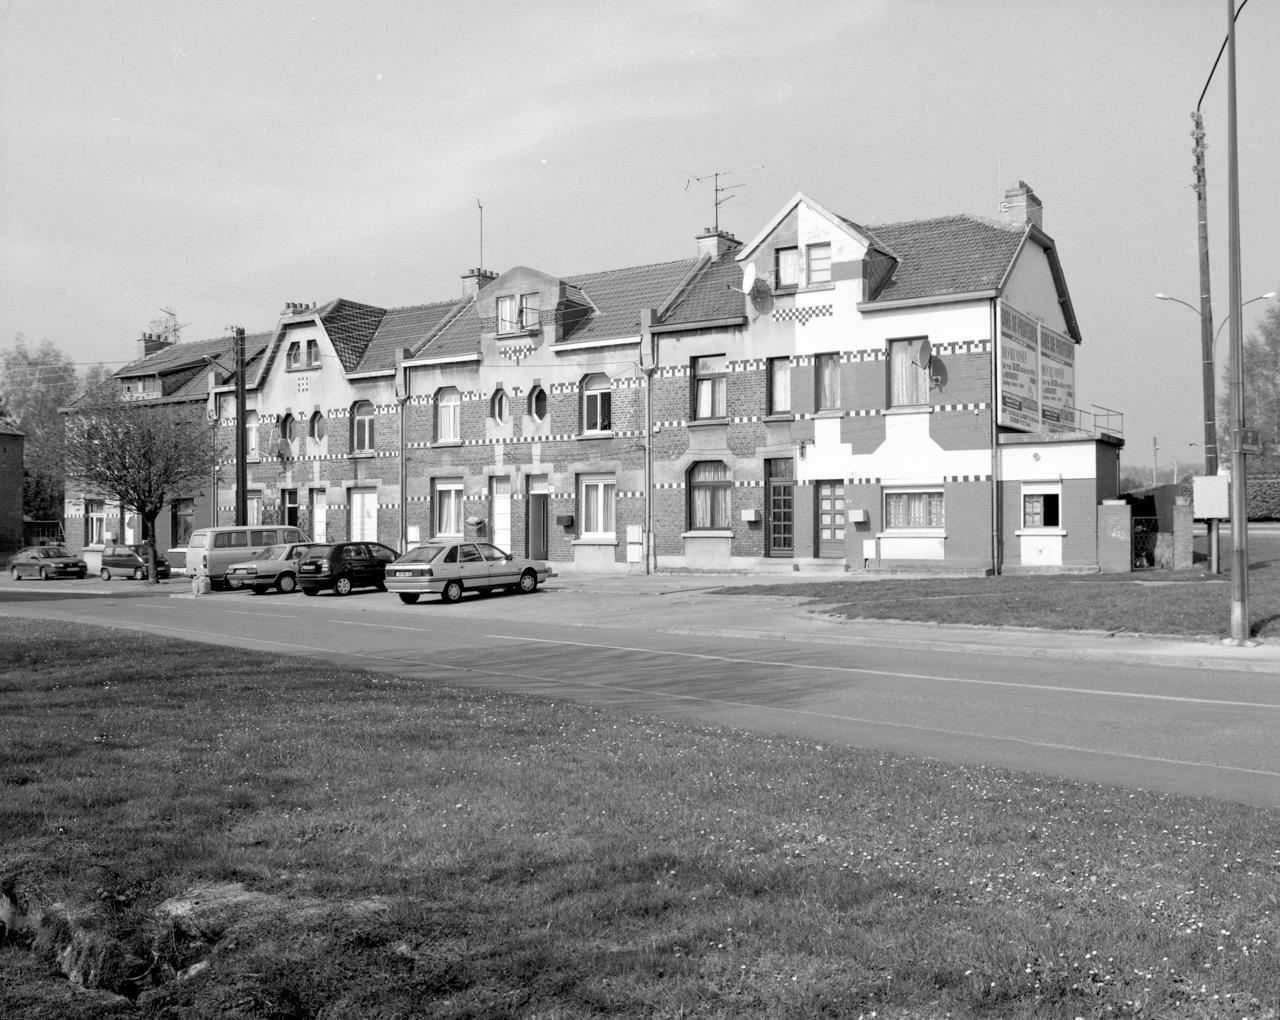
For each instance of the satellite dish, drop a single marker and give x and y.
(759, 293)
(925, 354)
(748, 277)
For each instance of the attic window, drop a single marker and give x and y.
(508, 320)
(818, 263)
(313, 354)
(293, 359)
(786, 263)
(529, 306)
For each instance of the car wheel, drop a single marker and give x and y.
(408, 597)
(528, 582)
(137, 573)
(342, 586)
(44, 574)
(235, 585)
(310, 591)
(452, 591)
(105, 574)
(286, 583)
(13, 572)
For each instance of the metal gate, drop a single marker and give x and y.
(1145, 531)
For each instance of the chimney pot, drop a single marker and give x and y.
(1021, 206)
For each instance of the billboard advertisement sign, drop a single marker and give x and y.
(1037, 375)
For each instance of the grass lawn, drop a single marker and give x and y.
(369, 846)
(1188, 603)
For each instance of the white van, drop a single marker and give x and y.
(211, 550)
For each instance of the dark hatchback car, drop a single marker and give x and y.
(45, 562)
(344, 566)
(130, 561)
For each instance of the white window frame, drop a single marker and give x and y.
(534, 395)
(710, 499)
(251, 435)
(779, 384)
(498, 405)
(597, 405)
(508, 313)
(710, 386)
(96, 514)
(362, 432)
(313, 354)
(293, 357)
(448, 415)
(817, 260)
(826, 381)
(786, 266)
(597, 505)
(448, 502)
(1035, 492)
(908, 379)
(530, 312)
(917, 510)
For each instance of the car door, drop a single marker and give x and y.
(501, 570)
(473, 568)
(355, 563)
(382, 555)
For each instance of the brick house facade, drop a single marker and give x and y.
(824, 395)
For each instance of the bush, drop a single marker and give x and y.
(1264, 499)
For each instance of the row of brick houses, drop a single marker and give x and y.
(823, 395)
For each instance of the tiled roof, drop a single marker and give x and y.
(350, 326)
(948, 255)
(7, 428)
(460, 338)
(184, 370)
(714, 294)
(619, 294)
(403, 327)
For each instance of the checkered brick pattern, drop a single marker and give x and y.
(803, 315)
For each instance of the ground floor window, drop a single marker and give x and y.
(919, 509)
(183, 520)
(95, 515)
(289, 507)
(448, 506)
(596, 497)
(1041, 506)
(319, 515)
(710, 495)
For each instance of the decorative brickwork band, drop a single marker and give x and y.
(803, 315)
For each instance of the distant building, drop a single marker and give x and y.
(825, 395)
(11, 479)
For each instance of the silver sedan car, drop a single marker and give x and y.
(275, 567)
(448, 568)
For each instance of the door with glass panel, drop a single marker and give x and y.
(780, 538)
(500, 511)
(831, 519)
(539, 499)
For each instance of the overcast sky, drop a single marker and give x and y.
(223, 158)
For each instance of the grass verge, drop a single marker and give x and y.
(408, 849)
(1185, 603)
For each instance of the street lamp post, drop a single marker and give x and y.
(1210, 407)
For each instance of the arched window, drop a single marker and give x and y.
(288, 428)
(448, 415)
(498, 406)
(710, 492)
(317, 428)
(293, 359)
(538, 404)
(362, 427)
(596, 409)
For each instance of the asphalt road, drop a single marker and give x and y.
(1059, 706)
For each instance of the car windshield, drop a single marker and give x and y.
(52, 551)
(319, 552)
(422, 554)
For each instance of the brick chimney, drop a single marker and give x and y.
(150, 343)
(475, 280)
(1020, 206)
(713, 243)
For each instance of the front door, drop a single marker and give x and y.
(319, 515)
(780, 539)
(364, 515)
(830, 510)
(500, 511)
(539, 503)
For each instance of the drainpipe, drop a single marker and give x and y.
(402, 401)
(649, 364)
(996, 565)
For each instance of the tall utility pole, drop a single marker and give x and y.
(1209, 378)
(1240, 628)
(242, 467)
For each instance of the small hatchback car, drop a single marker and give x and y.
(130, 561)
(448, 569)
(344, 566)
(45, 562)
(275, 567)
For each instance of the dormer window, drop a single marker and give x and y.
(293, 358)
(818, 263)
(313, 354)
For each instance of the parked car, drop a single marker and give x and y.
(211, 550)
(130, 561)
(276, 566)
(46, 561)
(448, 569)
(343, 566)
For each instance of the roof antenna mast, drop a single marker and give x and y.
(719, 190)
(481, 208)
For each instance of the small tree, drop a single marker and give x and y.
(144, 455)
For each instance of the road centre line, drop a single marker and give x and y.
(889, 673)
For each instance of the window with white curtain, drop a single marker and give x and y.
(596, 495)
(779, 398)
(448, 504)
(827, 381)
(908, 372)
(709, 381)
(448, 415)
(710, 495)
(922, 508)
(362, 427)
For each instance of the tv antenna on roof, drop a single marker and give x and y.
(720, 190)
(169, 327)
